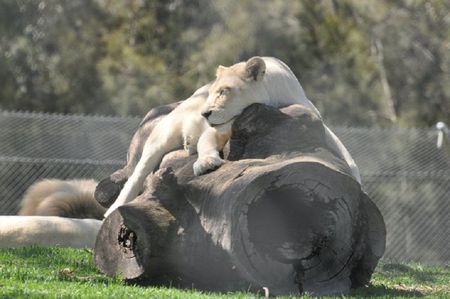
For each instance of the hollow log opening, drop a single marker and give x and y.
(127, 240)
(303, 224)
(281, 221)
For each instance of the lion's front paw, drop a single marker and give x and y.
(205, 163)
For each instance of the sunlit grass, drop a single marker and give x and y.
(408, 280)
(37, 272)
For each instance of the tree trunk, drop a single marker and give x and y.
(283, 213)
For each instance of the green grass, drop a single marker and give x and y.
(37, 272)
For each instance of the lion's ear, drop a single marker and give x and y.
(219, 71)
(255, 67)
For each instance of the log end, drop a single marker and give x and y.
(107, 192)
(122, 247)
(302, 227)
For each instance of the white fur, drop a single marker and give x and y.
(18, 231)
(275, 85)
(263, 80)
(184, 125)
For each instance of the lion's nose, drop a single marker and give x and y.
(206, 114)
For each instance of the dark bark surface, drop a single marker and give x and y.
(283, 213)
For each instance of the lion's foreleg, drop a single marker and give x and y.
(193, 127)
(210, 143)
(164, 138)
(333, 141)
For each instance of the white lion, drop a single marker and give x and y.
(20, 231)
(203, 121)
(71, 199)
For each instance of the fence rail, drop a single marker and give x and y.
(403, 171)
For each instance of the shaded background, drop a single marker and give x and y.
(402, 170)
(377, 70)
(361, 62)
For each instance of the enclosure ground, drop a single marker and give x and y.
(36, 272)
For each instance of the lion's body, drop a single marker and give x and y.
(203, 121)
(71, 199)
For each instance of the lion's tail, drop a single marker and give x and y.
(72, 199)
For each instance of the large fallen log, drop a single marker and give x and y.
(283, 213)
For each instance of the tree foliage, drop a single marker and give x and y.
(363, 63)
(49, 52)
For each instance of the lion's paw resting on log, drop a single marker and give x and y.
(203, 122)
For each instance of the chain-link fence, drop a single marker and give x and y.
(403, 171)
(408, 178)
(36, 146)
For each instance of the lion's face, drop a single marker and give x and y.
(235, 88)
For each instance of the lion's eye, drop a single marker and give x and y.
(222, 91)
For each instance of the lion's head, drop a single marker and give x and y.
(235, 88)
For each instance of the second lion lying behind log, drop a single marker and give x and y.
(72, 199)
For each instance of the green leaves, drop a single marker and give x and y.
(362, 63)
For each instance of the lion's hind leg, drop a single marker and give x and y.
(333, 141)
(164, 138)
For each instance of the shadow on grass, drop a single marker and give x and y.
(383, 291)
